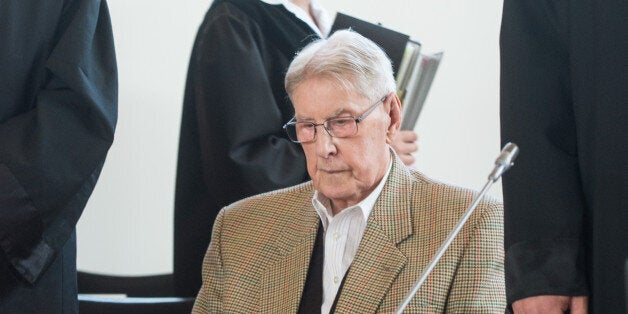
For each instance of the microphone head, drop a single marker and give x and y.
(504, 161)
(508, 155)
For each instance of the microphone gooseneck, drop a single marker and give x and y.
(502, 164)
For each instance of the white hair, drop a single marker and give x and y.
(352, 60)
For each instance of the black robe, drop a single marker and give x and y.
(232, 144)
(58, 110)
(564, 101)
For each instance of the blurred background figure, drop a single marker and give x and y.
(58, 111)
(564, 93)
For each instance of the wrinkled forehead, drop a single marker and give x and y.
(323, 97)
(346, 82)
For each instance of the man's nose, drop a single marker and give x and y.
(325, 146)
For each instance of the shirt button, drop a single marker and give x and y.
(336, 236)
(336, 279)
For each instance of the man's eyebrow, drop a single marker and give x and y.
(335, 114)
(301, 118)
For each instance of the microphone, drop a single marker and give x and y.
(504, 161)
(502, 164)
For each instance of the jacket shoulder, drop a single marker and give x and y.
(446, 203)
(272, 207)
(447, 192)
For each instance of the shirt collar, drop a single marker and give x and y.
(322, 205)
(321, 23)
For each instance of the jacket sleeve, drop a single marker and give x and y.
(51, 154)
(479, 286)
(209, 298)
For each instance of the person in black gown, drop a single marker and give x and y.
(564, 93)
(58, 111)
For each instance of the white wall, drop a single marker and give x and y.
(127, 225)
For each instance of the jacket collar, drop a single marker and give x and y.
(283, 280)
(378, 259)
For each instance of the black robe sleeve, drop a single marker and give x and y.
(238, 110)
(543, 202)
(564, 85)
(55, 128)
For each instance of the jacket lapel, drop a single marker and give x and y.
(378, 260)
(283, 280)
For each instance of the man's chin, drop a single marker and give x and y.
(332, 182)
(336, 194)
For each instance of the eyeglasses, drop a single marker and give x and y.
(305, 132)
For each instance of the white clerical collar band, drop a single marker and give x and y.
(321, 26)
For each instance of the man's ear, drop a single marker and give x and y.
(393, 104)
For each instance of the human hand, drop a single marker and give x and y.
(551, 304)
(405, 144)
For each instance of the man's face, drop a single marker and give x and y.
(345, 170)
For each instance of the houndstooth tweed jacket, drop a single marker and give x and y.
(259, 254)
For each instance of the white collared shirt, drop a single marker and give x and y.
(343, 233)
(321, 23)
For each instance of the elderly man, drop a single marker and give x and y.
(356, 237)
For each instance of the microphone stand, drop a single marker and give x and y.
(502, 164)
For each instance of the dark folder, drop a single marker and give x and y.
(413, 70)
(392, 42)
